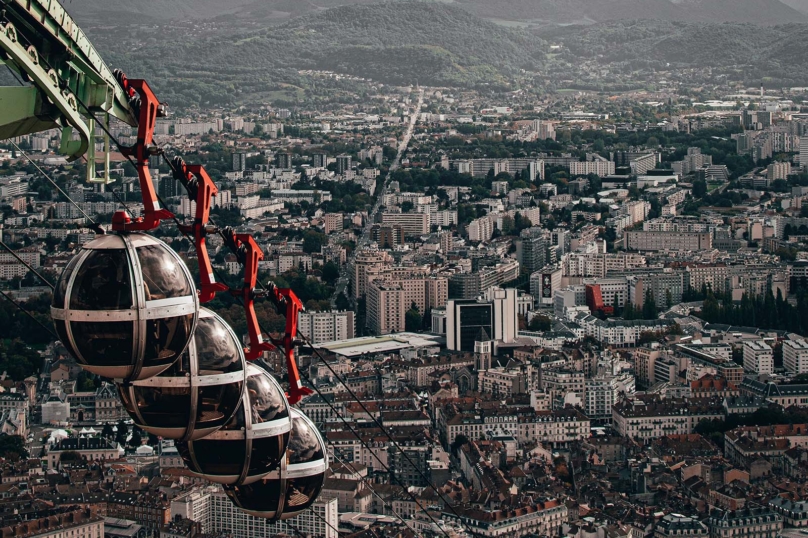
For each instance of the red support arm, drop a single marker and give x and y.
(250, 254)
(148, 108)
(201, 189)
(294, 306)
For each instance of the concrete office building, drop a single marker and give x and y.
(493, 316)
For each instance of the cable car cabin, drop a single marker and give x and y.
(252, 443)
(125, 307)
(199, 393)
(294, 486)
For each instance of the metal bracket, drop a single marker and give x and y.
(27, 60)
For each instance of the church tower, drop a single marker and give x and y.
(483, 351)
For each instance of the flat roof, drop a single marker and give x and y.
(355, 347)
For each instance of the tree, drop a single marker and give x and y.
(330, 272)
(70, 456)
(107, 432)
(313, 241)
(137, 439)
(12, 447)
(407, 206)
(123, 431)
(507, 225)
(540, 323)
(413, 320)
(699, 188)
(459, 441)
(649, 307)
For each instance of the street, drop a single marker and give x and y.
(364, 239)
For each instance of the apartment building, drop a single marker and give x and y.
(600, 168)
(481, 229)
(644, 362)
(413, 224)
(751, 521)
(560, 382)
(650, 417)
(70, 522)
(655, 241)
(366, 261)
(541, 519)
(758, 357)
(502, 382)
(557, 428)
(216, 514)
(795, 356)
(321, 327)
(386, 307)
(676, 525)
(332, 222)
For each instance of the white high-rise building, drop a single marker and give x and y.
(211, 508)
(804, 151)
(319, 327)
(795, 356)
(494, 316)
(757, 357)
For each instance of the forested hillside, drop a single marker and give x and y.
(401, 42)
(777, 54)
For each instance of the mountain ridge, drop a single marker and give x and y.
(395, 42)
(765, 12)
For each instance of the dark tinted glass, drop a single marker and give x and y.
(216, 404)
(61, 286)
(266, 399)
(218, 458)
(163, 275)
(237, 422)
(266, 454)
(218, 353)
(302, 492)
(102, 282)
(104, 343)
(261, 496)
(305, 444)
(166, 339)
(164, 407)
(61, 330)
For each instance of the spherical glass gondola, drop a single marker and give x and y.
(125, 307)
(199, 393)
(295, 485)
(252, 443)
